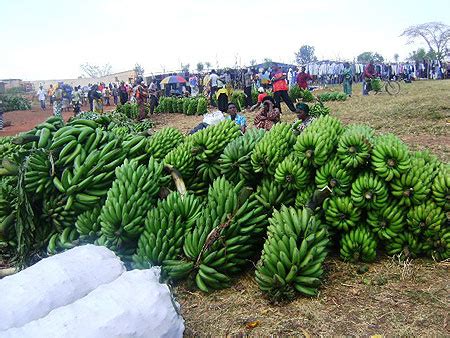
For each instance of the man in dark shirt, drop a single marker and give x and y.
(369, 74)
(303, 78)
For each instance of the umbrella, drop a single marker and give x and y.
(173, 79)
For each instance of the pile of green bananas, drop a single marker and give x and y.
(358, 245)
(390, 157)
(319, 109)
(293, 254)
(355, 145)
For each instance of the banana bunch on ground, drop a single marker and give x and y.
(210, 142)
(223, 238)
(9, 150)
(414, 185)
(440, 189)
(63, 241)
(315, 144)
(358, 245)
(404, 244)
(426, 219)
(133, 192)
(162, 142)
(272, 148)
(293, 254)
(438, 245)
(369, 191)
(142, 126)
(165, 228)
(272, 195)
(387, 222)
(40, 169)
(181, 158)
(304, 196)
(8, 202)
(319, 109)
(53, 212)
(354, 146)
(235, 161)
(341, 214)
(334, 175)
(291, 175)
(390, 157)
(88, 180)
(88, 223)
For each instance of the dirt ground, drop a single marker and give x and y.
(392, 298)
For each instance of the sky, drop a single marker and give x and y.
(50, 39)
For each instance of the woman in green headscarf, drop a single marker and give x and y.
(348, 79)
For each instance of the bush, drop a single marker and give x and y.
(14, 102)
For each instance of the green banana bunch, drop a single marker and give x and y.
(136, 148)
(358, 245)
(426, 219)
(404, 244)
(210, 142)
(64, 240)
(8, 149)
(440, 189)
(163, 141)
(335, 176)
(181, 159)
(272, 195)
(293, 254)
(355, 145)
(223, 238)
(132, 194)
(340, 213)
(208, 171)
(438, 245)
(387, 222)
(39, 172)
(413, 186)
(272, 148)
(319, 109)
(304, 196)
(165, 228)
(369, 191)
(142, 126)
(88, 223)
(291, 175)
(235, 161)
(8, 205)
(53, 212)
(312, 148)
(390, 157)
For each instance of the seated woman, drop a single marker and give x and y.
(268, 115)
(303, 118)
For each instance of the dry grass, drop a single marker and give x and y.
(382, 301)
(392, 298)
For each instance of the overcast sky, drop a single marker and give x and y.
(49, 39)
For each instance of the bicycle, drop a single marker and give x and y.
(392, 87)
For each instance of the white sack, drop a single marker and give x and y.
(134, 305)
(55, 281)
(213, 118)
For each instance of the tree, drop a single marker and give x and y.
(396, 56)
(435, 34)
(305, 55)
(200, 67)
(252, 62)
(208, 64)
(370, 56)
(139, 69)
(185, 68)
(420, 54)
(96, 70)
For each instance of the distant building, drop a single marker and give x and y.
(12, 83)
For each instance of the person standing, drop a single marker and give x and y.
(123, 93)
(97, 99)
(50, 93)
(153, 93)
(193, 83)
(248, 87)
(57, 101)
(348, 79)
(106, 95)
(76, 100)
(41, 96)
(91, 95)
(369, 74)
(303, 78)
(115, 94)
(280, 90)
(141, 97)
(213, 79)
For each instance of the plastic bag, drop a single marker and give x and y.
(134, 305)
(55, 281)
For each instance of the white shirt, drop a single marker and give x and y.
(41, 94)
(213, 77)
